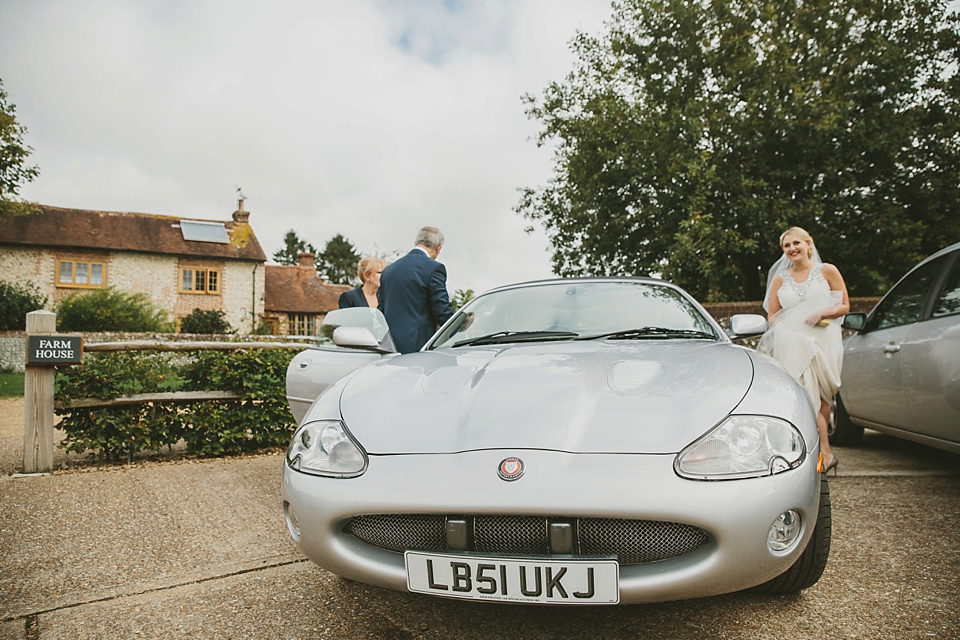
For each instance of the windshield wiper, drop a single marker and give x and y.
(651, 332)
(517, 336)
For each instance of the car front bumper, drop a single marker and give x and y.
(736, 514)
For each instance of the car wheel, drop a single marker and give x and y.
(809, 566)
(841, 431)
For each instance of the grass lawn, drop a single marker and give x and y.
(11, 385)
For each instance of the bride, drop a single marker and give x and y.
(803, 299)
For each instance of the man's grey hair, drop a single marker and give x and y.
(429, 237)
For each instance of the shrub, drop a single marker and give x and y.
(111, 309)
(205, 321)
(260, 418)
(115, 432)
(16, 301)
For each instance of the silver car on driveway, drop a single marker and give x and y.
(901, 370)
(576, 441)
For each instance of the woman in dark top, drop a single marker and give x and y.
(366, 294)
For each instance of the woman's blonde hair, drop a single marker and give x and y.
(799, 233)
(368, 265)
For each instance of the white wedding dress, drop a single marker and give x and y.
(811, 354)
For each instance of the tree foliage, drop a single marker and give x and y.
(16, 301)
(293, 246)
(461, 297)
(110, 309)
(211, 321)
(13, 155)
(337, 263)
(693, 132)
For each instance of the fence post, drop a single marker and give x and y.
(38, 402)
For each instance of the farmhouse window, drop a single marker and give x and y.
(302, 324)
(77, 273)
(193, 280)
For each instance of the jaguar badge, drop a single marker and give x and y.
(510, 469)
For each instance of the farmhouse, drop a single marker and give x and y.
(182, 264)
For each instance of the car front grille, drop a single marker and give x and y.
(632, 541)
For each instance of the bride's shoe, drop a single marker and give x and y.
(830, 462)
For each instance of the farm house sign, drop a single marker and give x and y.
(54, 349)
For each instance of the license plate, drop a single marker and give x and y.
(510, 579)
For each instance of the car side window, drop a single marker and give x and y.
(948, 302)
(905, 303)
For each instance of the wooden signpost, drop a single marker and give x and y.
(45, 348)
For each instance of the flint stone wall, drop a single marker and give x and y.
(241, 282)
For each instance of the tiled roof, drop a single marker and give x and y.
(55, 227)
(296, 289)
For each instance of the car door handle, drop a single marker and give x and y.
(891, 348)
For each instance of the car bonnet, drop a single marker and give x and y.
(592, 396)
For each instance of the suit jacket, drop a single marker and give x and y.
(413, 298)
(352, 298)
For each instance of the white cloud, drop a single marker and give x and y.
(368, 118)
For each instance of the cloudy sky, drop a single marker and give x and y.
(368, 118)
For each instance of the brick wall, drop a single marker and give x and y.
(721, 311)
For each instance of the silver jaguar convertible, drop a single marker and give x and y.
(576, 441)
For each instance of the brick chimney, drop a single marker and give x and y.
(240, 216)
(307, 260)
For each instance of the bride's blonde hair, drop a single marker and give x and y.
(800, 233)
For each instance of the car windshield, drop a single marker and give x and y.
(576, 310)
(365, 317)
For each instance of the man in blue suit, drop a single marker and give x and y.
(413, 293)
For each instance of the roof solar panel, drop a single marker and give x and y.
(204, 231)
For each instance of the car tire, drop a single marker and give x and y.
(808, 568)
(841, 430)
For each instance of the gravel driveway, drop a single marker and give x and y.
(198, 547)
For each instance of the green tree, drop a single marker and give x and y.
(111, 309)
(337, 263)
(16, 301)
(13, 154)
(293, 246)
(205, 321)
(691, 133)
(460, 298)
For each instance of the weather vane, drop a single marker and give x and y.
(240, 193)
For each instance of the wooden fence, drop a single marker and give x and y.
(170, 396)
(38, 387)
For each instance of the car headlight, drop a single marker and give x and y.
(743, 447)
(325, 448)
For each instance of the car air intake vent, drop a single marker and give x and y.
(398, 532)
(638, 541)
(523, 535)
(632, 541)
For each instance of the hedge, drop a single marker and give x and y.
(259, 419)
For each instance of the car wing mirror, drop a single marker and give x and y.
(356, 338)
(746, 324)
(854, 321)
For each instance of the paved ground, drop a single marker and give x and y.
(186, 547)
